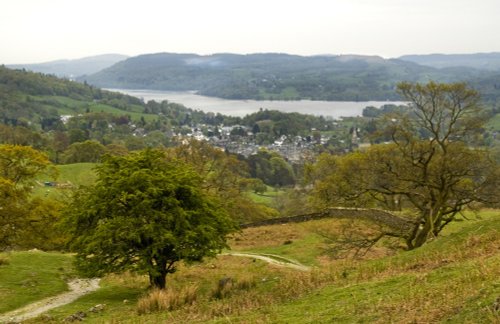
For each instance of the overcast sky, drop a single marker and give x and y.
(43, 30)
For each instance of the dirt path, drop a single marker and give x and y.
(78, 288)
(273, 259)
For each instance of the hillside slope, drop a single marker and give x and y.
(483, 61)
(73, 68)
(273, 76)
(453, 279)
(38, 100)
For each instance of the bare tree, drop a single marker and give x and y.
(428, 171)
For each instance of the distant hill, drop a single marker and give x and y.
(273, 76)
(38, 101)
(73, 68)
(29, 98)
(482, 61)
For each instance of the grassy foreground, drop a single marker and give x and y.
(455, 278)
(28, 276)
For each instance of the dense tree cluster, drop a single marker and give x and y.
(276, 123)
(25, 221)
(271, 168)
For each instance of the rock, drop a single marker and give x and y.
(97, 308)
(496, 305)
(78, 316)
(226, 281)
(46, 317)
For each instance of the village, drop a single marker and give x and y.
(240, 140)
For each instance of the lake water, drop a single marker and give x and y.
(333, 109)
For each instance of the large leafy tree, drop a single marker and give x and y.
(88, 151)
(271, 168)
(19, 167)
(428, 170)
(144, 214)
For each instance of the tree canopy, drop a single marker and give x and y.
(144, 214)
(19, 167)
(428, 170)
(271, 168)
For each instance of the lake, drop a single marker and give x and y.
(240, 108)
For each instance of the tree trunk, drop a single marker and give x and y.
(158, 275)
(423, 232)
(158, 280)
(421, 237)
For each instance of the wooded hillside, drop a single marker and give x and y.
(277, 76)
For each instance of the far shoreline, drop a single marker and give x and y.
(243, 107)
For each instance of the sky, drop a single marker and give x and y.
(34, 31)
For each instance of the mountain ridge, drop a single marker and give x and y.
(483, 61)
(281, 76)
(274, 76)
(71, 68)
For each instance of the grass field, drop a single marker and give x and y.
(70, 175)
(29, 276)
(454, 278)
(267, 198)
(77, 173)
(69, 106)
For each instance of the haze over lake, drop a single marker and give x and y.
(240, 108)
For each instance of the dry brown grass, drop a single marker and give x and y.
(428, 285)
(266, 236)
(3, 261)
(227, 286)
(167, 299)
(430, 298)
(310, 241)
(129, 280)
